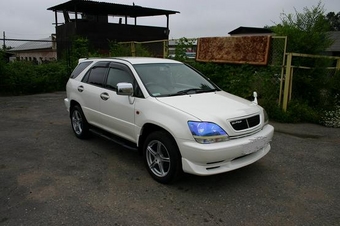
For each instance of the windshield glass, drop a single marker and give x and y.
(170, 79)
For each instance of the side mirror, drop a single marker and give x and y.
(124, 89)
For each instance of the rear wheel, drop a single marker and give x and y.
(79, 124)
(162, 157)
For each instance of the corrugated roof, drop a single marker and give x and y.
(34, 45)
(335, 36)
(104, 8)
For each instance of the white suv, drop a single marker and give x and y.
(173, 114)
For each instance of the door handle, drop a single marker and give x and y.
(80, 88)
(104, 96)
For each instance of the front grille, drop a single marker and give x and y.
(245, 123)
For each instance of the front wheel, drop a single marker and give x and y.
(162, 157)
(79, 124)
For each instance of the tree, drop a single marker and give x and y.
(334, 21)
(306, 31)
(182, 46)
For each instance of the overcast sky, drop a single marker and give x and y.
(30, 19)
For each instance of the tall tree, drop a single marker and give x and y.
(334, 21)
(306, 31)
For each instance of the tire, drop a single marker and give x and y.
(79, 124)
(162, 157)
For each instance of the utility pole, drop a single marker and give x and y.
(4, 40)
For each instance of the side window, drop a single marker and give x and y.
(95, 76)
(117, 75)
(80, 67)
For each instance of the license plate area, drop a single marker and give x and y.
(254, 145)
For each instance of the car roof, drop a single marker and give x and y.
(133, 60)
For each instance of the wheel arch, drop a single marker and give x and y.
(149, 128)
(72, 104)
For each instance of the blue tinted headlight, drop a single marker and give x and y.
(207, 132)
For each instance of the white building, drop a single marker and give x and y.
(38, 51)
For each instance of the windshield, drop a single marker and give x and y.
(171, 79)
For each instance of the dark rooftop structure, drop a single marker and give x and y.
(105, 8)
(250, 31)
(90, 19)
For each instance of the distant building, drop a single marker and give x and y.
(38, 51)
(250, 31)
(102, 22)
(172, 44)
(334, 49)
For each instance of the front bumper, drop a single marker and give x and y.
(209, 159)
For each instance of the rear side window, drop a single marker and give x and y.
(96, 76)
(80, 68)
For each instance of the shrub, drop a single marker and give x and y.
(119, 49)
(331, 118)
(23, 77)
(313, 93)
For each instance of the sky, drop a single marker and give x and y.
(30, 19)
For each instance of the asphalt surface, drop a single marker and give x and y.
(49, 177)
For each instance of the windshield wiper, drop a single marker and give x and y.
(187, 91)
(206, 90)
(192, 91)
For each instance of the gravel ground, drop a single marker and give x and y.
(49, 177)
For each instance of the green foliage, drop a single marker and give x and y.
(313, 90)
(117, 49)
(330, 115)
(141, 51)
(126, 49)
(334, 21)
(23, 77)
(314, 95)
(182, 46)
(306, 31)
(243, 80)
(297, 111)
(2, 62)
(300, 111)
(318, 87)
(2, 70)
(79, 48)
(331, 118)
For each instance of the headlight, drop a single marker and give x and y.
(207, 132)
(266, 118)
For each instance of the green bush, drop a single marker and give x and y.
(331, 118)
(119, 50)
(313, 91)
(243, 80)
(23, 77)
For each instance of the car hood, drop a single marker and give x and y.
(209, 106)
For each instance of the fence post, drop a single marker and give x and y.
(283, 69)
(287, 82)
(133, 49)
(165, 48)
(291, 84)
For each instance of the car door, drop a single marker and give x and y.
(92, 87)
(118, 111)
